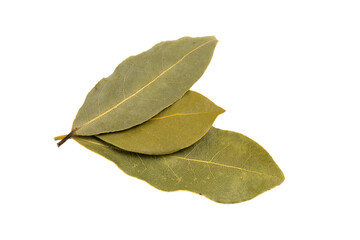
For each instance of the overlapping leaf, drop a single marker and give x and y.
(143, 85)
(134, 118)
(224, 166)
(175, 128)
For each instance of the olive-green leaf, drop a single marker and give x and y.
(224, 166)
(143, 85)
(177, 127)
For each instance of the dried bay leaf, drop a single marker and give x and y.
(143, 85)
(177, 127)
(224, 166)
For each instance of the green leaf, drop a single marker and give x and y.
(224, 166)
(177, 127)
(143, 85)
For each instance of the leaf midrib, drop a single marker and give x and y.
(181, 114)
(224, 165)
(148, 84)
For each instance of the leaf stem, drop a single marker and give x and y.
(67, 137)
(59, 137)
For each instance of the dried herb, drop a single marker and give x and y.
(143, 85)
(224, 166)
(144, 119)
(175, 128)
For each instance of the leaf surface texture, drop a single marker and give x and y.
(143, 85)
(175, 128)
(224, 166)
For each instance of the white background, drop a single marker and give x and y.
(287, 72)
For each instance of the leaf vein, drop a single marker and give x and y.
(179, 114)
(152, 81)
(224, 165)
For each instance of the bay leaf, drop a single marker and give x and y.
(143, 85)
(224, 166)
(176, 127)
